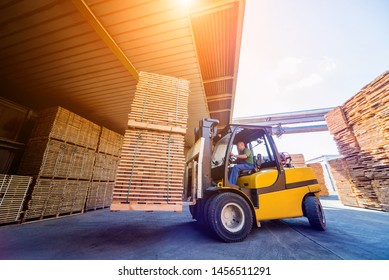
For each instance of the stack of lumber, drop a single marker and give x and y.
(318, 170)
(104, 171)
(13, 190)
(101, 187)
(343, 184)
(60, 155)
(62, 145)
(160, 101)
(65, 154)
(151, 169)
(110, 142)
(361, 130)
(105, 168)
(61, 124)
(298, 160)
(50, 158)
(55, 197)
(99, 195)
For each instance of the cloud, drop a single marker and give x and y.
(294, 73)
(289, 66)
(327, 65)
(305, 82)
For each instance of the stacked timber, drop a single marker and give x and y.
(318, 170)
(151, 169)
(13, 191)
(104, 171)
(298, 160)
(60, 155)
(361, 130)
(343, 184)
(110, 142)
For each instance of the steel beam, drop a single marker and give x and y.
(105, 36)
(300, 129)
(307, 116)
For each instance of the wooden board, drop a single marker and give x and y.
(298, 160)
(318, 170)
(336, 120)
(13, 190)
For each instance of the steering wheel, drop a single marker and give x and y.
(232, 159)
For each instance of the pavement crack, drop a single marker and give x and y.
(314, 241)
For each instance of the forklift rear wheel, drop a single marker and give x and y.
(314, 212)
(205, 215)
(230, 217)
(192, 209)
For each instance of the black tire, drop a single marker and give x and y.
(205, 216)
(230, 217)
(314, 212)
(192, 210)
(196, 210)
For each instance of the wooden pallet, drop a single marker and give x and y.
(13, 190)
(363, 139)
(144, 206)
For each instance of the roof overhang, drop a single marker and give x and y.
(85, 54)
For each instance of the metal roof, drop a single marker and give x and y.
(85, 54)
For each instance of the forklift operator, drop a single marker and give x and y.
(244, 161)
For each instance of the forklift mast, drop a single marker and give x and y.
(198, 162)
(208, 130)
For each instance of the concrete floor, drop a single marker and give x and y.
(352, 233)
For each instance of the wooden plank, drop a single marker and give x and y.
(149, 126)
(145, 207)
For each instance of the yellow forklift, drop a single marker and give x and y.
(273, 189)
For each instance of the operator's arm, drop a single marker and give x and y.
(239, 156)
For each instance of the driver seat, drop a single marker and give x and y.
(257, 166)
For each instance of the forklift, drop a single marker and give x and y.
(273, 189)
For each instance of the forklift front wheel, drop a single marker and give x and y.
(314, 212)
(230, 217)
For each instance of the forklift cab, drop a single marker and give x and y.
(256, 138)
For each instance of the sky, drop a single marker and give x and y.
(300, 55)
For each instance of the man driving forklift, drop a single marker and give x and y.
(244, 161)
